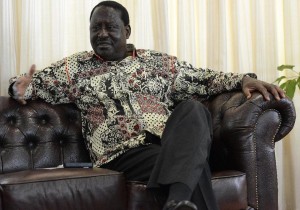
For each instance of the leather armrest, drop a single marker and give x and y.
(234, 116)
(247, 130)
(75, 188)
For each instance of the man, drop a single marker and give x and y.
(138, 115)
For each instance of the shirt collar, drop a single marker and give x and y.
(131, 51)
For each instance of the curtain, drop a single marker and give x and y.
(225, 35)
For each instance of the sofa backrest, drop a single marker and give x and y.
(39, 135)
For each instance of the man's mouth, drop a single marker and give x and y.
(103, 44)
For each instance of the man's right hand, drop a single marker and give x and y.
(21, 85)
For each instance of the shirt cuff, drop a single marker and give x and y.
(28, 92)
(252, 75)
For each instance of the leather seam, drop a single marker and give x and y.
(61, 179)
(255, 149)
(228, 177)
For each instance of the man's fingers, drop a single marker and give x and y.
(260, 89)
(247, 93)
(250, 85)
(265, 93)
(274, 91)
(280, 91)
(20, 86)
(277, 92)
(19, 97)
(31, 70)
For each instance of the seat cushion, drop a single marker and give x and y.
(63, 189)
(230, 189)
(141, 198)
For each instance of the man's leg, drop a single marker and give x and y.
(182, 161)
(136, 163)
(203, 191)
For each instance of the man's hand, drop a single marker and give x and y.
(21, 85)
(250, 85)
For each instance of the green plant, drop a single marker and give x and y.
(289, 83)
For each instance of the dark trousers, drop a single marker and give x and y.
(181, 157)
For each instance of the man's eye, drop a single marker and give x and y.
(111, 27)
(95, 28)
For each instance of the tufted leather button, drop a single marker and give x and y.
(11, 120)
(61, 138)
(31, 145)
(31, 141)
(43, 119)
(39, 135)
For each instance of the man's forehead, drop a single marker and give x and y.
(107, 13)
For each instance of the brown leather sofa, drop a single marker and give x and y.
(37, 137)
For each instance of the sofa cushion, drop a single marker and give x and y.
(141, 198)
(229, 187)
(64, 189)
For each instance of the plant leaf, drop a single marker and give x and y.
(283, 86)
(290, 88)
(278, 80)
(282, 67)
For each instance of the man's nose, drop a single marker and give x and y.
(102, 32)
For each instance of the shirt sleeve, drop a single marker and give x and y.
(51, 84)
(202, 83)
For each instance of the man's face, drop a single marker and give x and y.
(108, 34)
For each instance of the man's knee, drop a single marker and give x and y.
(193, 106)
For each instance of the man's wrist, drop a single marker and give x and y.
(247, 76)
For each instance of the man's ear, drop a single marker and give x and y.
(128, 31)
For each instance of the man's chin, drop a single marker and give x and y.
(104, 49)
(104, 53)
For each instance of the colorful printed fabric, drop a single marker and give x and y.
(120, 101)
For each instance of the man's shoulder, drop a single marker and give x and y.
(81, 56)
(74, 58)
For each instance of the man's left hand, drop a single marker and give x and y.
(250, 85)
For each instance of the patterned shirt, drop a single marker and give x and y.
(121, 100)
